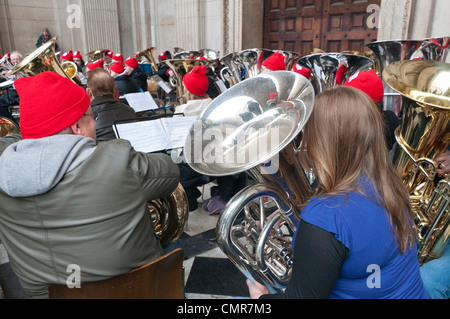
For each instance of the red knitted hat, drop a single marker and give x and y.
(117, 67)
(67, 56)
(96, 64)
(44, 114)
(368, 82)
(275, 62)
(117, 57)
(303, 71)
(109, 53)
(77, 55)
(132, 62)
(196, 81)
(163, 56)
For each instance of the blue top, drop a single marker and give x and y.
(375, 267)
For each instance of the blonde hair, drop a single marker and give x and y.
(344, 141)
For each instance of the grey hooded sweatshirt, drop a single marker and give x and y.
(67, 204)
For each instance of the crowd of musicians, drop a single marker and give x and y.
(72, 193)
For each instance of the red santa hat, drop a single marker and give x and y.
(67, 56)
(301, 70)
(196, 81)
(117, 57)
(109, 53)
(77, 55)
(117, 68)
(368, 82)
(163, 56)
(275, 62)
(96, 64)
(132, 62)
(52, 112)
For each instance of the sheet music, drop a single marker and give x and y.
(141, 101)
(144, 136)
(177, 129)
(156, 135)
(165, 87)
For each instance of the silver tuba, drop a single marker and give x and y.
(331, 69)
(424, 133)
(254, 127)
(387, 52)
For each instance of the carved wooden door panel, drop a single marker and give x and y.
(330, 25)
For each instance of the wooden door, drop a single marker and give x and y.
(329, 25)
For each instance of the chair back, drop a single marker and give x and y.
(159, 279)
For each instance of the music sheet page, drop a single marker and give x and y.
(141, 101)
(144, 136)
(177, 129)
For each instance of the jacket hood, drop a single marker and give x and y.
(34, 166)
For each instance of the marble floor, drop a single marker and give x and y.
(208, 273)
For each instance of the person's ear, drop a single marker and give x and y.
(76, 128)
(89, 93)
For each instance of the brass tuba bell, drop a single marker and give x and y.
(41, 60)
(424, 134)
(253, 127)
(8, 127)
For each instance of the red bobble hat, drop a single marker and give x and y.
(67, 56)
(163, 56)
(117, 68)
(368, 82)
(77, 55)
(117, 57)
(275, 62)
(63, 104)
(196, 81)
(109, 53)
(303, 71)
(96, 64)
(132, 62)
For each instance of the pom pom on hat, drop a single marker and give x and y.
(163, 56)
(42, 115)
(132, 62)
(196, 81)
(96, 64)
(117, 68)
(117, 57)
(67, 56)
(275, 62)
(368, 82)
(303, 71)
(77, 55)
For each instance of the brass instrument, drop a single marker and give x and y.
(325, 67)
(8, 127)
(252, 60)
(5, 65)
(256, 125)
(180, 67)
(187, 55)
(148, 54)
(209, 54)
(387, 52)
(41, 60)
(231, 72)
(170, 215)
(424, 134)
(95, 55)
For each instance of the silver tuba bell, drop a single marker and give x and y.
(254, 127)
(331, 69)
(388, 52)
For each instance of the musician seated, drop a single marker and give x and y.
(73, 211)
(107, 109)
(81, 65)
(164, 72)
(122, 80)
(136, 74)
(370, 83)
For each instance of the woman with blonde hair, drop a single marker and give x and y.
(356, 237)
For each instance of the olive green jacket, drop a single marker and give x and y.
(72, 211)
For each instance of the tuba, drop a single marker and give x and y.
(148, 54)
(95, 55)
(387, 52)
(169, 215)
(331, 69)
(231, 71)
(8, 127)
(424, 134)
(41, 60)
(180, 67)
(253, 127)
(251, 60)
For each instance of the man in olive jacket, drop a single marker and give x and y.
(68, 204)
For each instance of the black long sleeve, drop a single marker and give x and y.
(318, 259)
